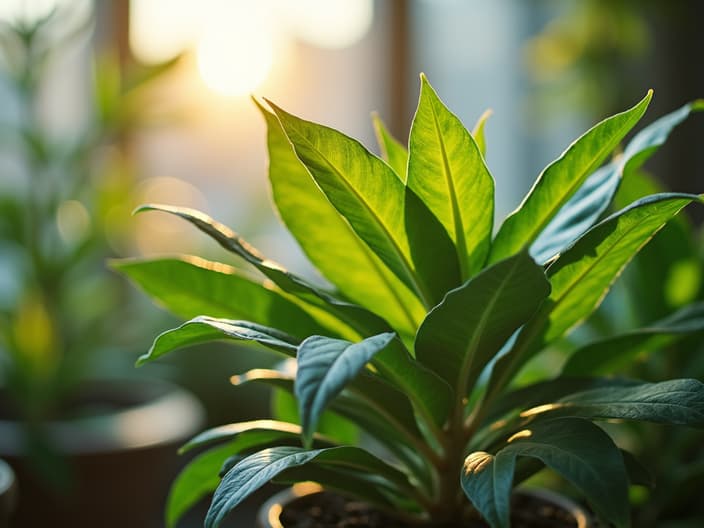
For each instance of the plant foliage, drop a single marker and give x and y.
(431, 322)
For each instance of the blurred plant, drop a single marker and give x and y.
(57, 302)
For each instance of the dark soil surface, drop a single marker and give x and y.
(328, 510)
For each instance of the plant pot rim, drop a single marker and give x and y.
(270, 511)
(150, 413)
(8, 490)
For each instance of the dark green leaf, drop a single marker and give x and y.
(464, 332)
(203, 329)
(327, 238)
(561, 179)
(325, 367)
(608, 355)
(446, 170)
(576, 449)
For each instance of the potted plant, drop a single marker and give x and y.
(425, 337)
(67, 417)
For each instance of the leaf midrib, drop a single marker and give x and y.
(419, 287)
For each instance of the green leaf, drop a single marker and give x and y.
(447, 171)
(325, 367)
(679, 402)
(196, 480)
(258, 469)
(270, 430)
(385, 214)
(327, 238)
(464, 332)
(354, 317)
(582, 275)
(190, 286)
(561, 179)
(597, 192)
(478, 131)
(608, 355)
(576, 449)
(203, 329)
(392, 151)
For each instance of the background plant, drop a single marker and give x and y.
(431, 322)
(56, 205)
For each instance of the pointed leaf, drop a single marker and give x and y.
(607, 355)
(392, 151)
(478, 131)
(376, 204)
(679, 402)
(203, 329)
(466, 330)
(190, 286)
(561, 179)
(582, 275)
(270, 430)
(576, 449)
(327, 239)
(447, 171)
(361, 320)
(594, 197)
(325, 367)
(256, 470)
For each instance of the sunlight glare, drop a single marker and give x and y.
(236, 52)
(330, 24)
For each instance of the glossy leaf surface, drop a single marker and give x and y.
(561, 179)
(576, 449)
(446, 170)
(325, 367)
(380, 209)
(328, 239)
(460, 335)
(392, 151)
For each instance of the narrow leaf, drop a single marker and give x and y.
(203, 329)
(582, 275)
(561, 179)
(576, 449)
(607, 355)
(376, 204)
(446, 170)
(597, 192)
(478, 131)
(392, 151)
(464, 332)
(271, 429)
(327, 238)
(325, 367)
(190, 286)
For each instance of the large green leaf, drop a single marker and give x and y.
(575, 448)
(582, 275)
(392, 151)
(258, 469)
(328, 240)
(325, 367)
(382, 211)
(561, 179)
(466, 330)
(190, 286)
(354, 317)
(203, 329)
(607, 355)
(446, 170)
(595, 195)
(679, 402)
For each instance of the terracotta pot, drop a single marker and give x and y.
(8, 493)
(270, 512)
(121, 459)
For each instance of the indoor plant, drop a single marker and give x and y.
(430, 325)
